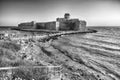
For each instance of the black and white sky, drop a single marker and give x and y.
(95, 12)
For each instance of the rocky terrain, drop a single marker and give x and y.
(93, 56)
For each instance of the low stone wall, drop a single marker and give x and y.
(27, 25)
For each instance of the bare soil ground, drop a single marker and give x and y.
(93, 56)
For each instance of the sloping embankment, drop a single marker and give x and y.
(86, 57)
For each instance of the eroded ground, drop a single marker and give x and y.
(93, 56)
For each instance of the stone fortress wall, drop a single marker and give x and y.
(60, 24)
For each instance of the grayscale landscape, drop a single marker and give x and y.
(59, 39)
(90, 56)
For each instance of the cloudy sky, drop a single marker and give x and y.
(95, 12)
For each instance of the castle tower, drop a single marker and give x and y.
(67, 16)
